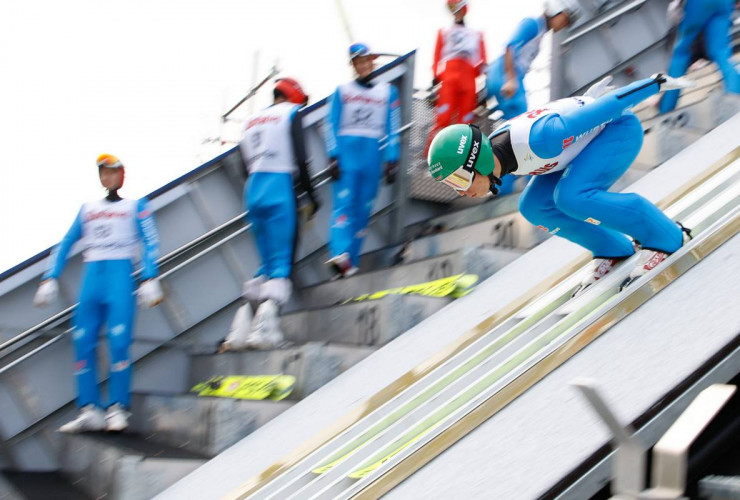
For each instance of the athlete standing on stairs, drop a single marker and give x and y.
(274, 154)
(111, 231)
(505, 75)
(712, 18)
(575, 148)
(361, 113)
(459, 57)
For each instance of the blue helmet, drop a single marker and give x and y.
(359, 50)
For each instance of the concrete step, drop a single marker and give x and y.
(510, 233)
(124, 466)
(313, 364)
(368, 323)
(38, 486)
(202, 425)
(312, 271)
(480, 261)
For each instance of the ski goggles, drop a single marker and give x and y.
(462, 178)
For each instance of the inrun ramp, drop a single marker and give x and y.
(419, 395)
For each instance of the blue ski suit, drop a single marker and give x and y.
(712, 18)
(576, 148)
(111, 233)
(360, 115)
(525, 46)
(272, 148)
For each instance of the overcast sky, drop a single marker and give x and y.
(147, 80)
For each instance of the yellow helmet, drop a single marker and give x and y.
(110, 161)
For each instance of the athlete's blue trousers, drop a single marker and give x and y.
(574, 203)
(354, 194)
(106, 298)
(270, 199)
(712, 17)
(510, 106)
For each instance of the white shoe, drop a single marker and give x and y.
(236, 340)
(601, 267)
(252, 288)
(650, 259)
(342, 266)
(91, 418)
(278, 290)
(265, 332)
(116, 418)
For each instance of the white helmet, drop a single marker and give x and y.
(570, 7)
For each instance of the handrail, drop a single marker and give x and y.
(162, 260)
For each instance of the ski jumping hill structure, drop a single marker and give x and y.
(409, 395)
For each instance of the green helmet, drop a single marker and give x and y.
(460, 149)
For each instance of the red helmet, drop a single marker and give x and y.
(456, 6)
(110, 161)
(292, 90)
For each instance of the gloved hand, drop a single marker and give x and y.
(675, 12)
(435, 81)
(309, 208)
(150, 293)
(333, 167)
(600, 88)
(391, 169)
(47, 293)
(670, 83)
(509, 88)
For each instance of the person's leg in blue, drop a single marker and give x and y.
(256, 195)
(582, 191)
(345, 193)
(718, 44)
(279, 226)
(120, 309)
(88, 318)
(712, 17)
(367, 189)
(537, 205)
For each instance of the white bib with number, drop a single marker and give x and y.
(267, 145)
(109, 230)
(364, 109)
(520, 129)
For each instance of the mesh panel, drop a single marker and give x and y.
(421, 184)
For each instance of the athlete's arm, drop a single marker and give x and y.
(480, 67)
(437, 55)
(299, 152)
(547, 135)
(393, 124)
(149, 239)
(331, 129)
(58, 257)
(525, 31)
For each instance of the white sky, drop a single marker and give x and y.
(147, 80)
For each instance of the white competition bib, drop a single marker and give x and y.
(364, 110)
(520, 128)
(267, 145)
(109, 230)
(461, 42)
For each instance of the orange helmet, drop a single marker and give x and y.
(292, 90)
(110, 161)
(456, 6)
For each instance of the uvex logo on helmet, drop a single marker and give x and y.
(473, 154)
(461, 146)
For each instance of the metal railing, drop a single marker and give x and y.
(322, 178)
